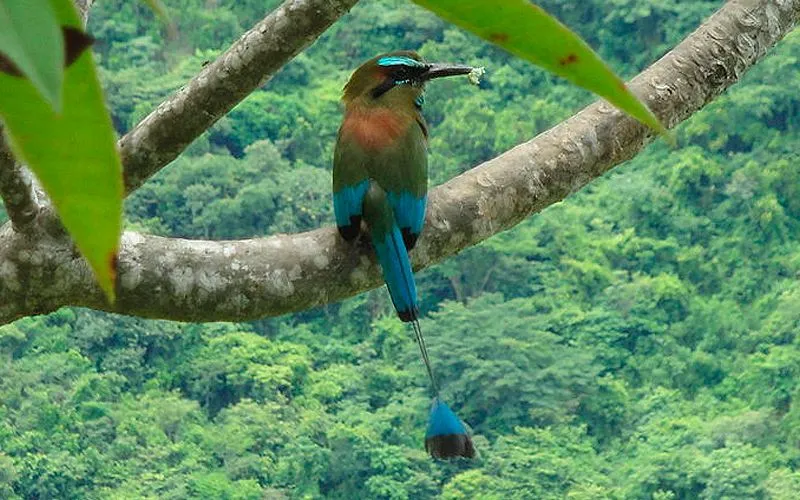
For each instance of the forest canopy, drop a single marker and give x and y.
(637, 340)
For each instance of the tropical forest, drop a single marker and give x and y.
(638, 340)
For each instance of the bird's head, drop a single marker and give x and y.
(396, 79)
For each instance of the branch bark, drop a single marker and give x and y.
(196, 280)
(161, 136)
(84, 6)
(16, 188)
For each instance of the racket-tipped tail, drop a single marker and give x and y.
(447, 437)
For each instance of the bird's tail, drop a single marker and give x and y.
(446, 436)
(397, 273)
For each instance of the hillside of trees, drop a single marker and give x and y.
(640, 340)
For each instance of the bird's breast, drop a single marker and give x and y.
(374, 129)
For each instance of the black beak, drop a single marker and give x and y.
(439, 70)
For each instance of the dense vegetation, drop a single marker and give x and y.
(638, 340)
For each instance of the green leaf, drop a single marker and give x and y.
(527, 31)
(73, 153)
(31, 45)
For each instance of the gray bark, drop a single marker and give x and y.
(83, 7)
(239, 280)
(16, 188)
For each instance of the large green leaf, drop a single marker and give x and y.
(31, 45)
(527, 31)
(72, 152)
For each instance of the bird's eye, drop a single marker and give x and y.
(402, 74)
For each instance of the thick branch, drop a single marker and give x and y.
(240, 280)
(83, 6)
(247, 64)
(16, 188)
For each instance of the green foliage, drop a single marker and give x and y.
(506, 373)
(635, 341)
(509, 24)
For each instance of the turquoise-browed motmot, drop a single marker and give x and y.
(380, 176)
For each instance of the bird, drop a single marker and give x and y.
(380, 178)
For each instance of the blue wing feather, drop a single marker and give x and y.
(348, 202)
(409, 210)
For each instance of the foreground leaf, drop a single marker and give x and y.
(527, 31)
(31, 45)
(73, 153)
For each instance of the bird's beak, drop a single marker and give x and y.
(439, 70)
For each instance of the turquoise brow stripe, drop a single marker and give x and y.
(398, 61)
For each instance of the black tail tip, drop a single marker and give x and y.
(449, 446)
(408, 315)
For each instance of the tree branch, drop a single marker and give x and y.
(83, 6)
(16, 188)
(161, 136)
(239, 280)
